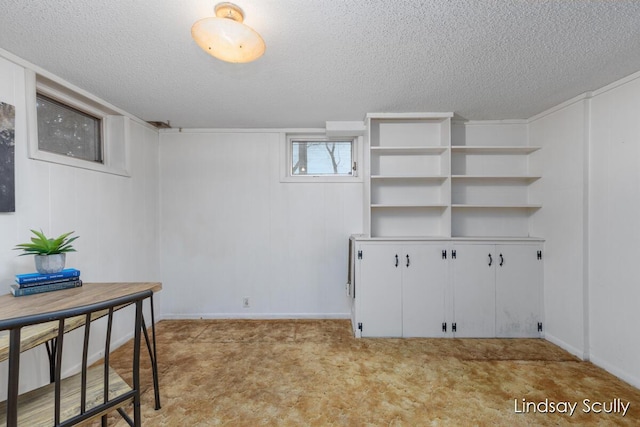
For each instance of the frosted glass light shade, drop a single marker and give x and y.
(226, 37)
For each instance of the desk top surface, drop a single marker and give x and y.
(89, 293)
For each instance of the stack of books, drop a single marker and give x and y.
(36, 283)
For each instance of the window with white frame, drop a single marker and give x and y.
(318, 158)
(65, 130)
(69, 127)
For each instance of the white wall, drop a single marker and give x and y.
(561, 221)
(614, 229)
(231, 229)
(116, 217)
(590, 219)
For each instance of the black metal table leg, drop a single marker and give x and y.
(151, 346)
(52, 348)
(14, 372)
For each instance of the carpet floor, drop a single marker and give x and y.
(314, 373)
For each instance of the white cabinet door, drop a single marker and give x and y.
(473, 270)
(424, 281)
(518, 290)
(407, 289)
(379, 290)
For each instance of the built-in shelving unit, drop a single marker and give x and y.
(408, 190)
(447, 249)
(428, 177)
(491, 180)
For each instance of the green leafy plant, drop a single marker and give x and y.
(43, 245)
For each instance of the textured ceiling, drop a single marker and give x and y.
(331, 59)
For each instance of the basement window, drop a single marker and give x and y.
(68, 131)
(321, 159)
(70, 127)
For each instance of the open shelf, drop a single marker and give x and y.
(408, 151)
(509, 149)
(491, 221)
(496, 206)
(393, 205)
(525, 178)
(414, 165)
(37, 406)
(409, 221)
(409, 177)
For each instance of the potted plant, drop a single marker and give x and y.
(49, 253)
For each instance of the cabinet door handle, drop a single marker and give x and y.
(396, 260)
(407, 260)
(501, 260)
(490, 260)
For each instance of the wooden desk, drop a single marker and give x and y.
(89, 293)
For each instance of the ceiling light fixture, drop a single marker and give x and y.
(226, 37)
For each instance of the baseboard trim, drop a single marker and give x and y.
(623, 375)
(562, 344)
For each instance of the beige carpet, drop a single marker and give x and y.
(314, 373)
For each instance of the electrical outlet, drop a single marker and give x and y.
(245, 302)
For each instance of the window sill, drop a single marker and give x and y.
(60, 159)
(320, 178)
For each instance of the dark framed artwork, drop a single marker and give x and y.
(7, 158)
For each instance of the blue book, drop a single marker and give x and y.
(18, 292)
(37, 277)
(46, 282)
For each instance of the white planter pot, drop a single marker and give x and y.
(47, 264)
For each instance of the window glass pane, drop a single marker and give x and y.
(67, 131)
(321, 157)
